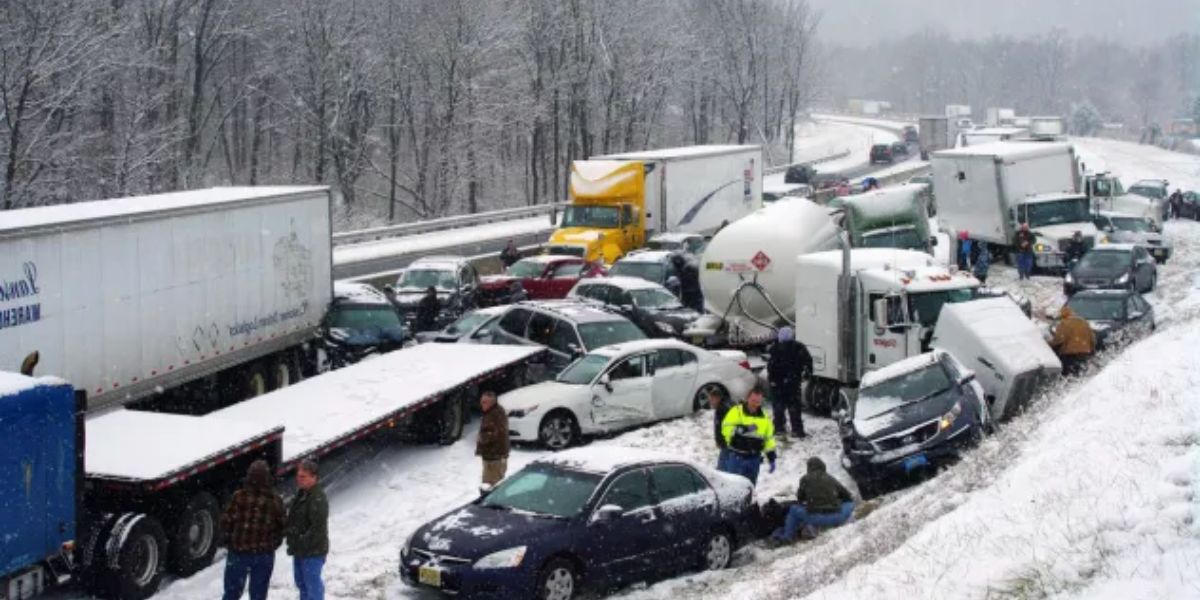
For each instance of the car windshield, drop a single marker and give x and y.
(527, 269)
(901, 237)
(926, 306)
(664, 244)
(891, 394)
(584, 370)
(655, 298)
(544, 490)
(880, 148)
(1071, 210)
(606, 333)
(419, 279)
(642, 270)
(1098, 308)
(1130, 224)
(468, 322)
(584, 215)
(363, 316)
(1105, 260)
(1149, 191)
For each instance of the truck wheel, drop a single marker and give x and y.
(285, 371)
(453, 418)
(194, 535)
(131, 562)
(255, 381)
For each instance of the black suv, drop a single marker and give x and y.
(454, 278)
(882, 153)
(799, 174)
(567, 328)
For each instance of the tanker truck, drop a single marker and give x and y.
(747, 273)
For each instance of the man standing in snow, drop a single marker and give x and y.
(750, 436)
(1025, 241)
(427, 310)
(789, 361)
(821, 501)
(308, 532)
(253, 525)
(509, 255)
(492, 445)
(1175, 204)
(689, 283)
(1073, 341)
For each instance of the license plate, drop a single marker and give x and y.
(1158, 252)
(430, 576)
(915, 461)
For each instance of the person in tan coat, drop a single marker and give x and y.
(1073, 341)
(492, 445)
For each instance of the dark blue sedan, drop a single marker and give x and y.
(592, 516)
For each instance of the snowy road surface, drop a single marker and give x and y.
(1091, 494)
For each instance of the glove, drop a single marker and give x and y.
(772, 467)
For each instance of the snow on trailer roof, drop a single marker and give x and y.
(323, 413)
(1005, 150)
(682, 152)
(63, 214)
(134, 445)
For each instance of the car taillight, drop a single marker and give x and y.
(745, 364)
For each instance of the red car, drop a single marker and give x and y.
(545, 277)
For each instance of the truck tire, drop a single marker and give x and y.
(194, 535)
(820, 396)
(255, 381)
(453, 419)
(129, 565)
(285, 371)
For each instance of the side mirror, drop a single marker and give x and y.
(880, 307)
(575, 349)
(608, 512)
(605, 381)
(626, 308)
(390, 289)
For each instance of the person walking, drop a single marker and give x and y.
(821, 501)
(689, 283)
(1025, 241)
(492, 444)
(789, 362)
(308, 532)
(1073, 341)
(427, 310)
(983, 261)
(509, 255)
(750, 437)
(720, 408)
(253, 524)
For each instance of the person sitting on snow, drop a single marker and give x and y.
(821, 501)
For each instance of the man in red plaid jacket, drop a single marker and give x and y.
(253, 524)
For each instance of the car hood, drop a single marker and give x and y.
(472, 531)
(1135, 237)
(406, 299)
(1064, 231)
(546, 391)
(496, 282)
(907, 416)
(372, 336)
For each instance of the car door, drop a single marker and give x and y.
(541, 332)
(538, 287)
(674, 380)
(511, 327)
(626, 547)
(564, 277)
(687, 506)
(626, 398)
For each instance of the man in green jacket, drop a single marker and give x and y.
(308, 532)
(749, 436)
(821, 501)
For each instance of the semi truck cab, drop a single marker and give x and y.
(1053, 219)
(606, 218)
(1107, 194)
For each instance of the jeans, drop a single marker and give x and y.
(785, 405)
(307, 572)
(723, 460)
(745, 465)
(1025, 265)
(799, 517)
(258, 567)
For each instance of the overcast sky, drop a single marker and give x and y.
(1135, 21)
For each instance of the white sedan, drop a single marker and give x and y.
(622, 386)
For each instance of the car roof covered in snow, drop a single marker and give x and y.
(607, 459)
(549, 258)
(642, 346)
(362, 293)
(1114, 247)
(648, 256)
(675, 237)
(438, 263)
(624, 282)
(574, 309)
(901, 368)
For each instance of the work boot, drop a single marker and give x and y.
(800, 435)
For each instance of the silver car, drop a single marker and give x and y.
(1121, 228)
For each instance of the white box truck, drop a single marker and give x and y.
(618, 201)
(988, 190)
(934, 133)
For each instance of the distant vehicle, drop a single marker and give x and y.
(824, 181)
(911, 135)
(899, 149)
(1127, 229)
(1151, 188)
(689, 243)
(475, 327)
(1113, 266)
(454, 278)
(935, 134)
(650, 306)
(543, 277)
(361, 321)
(909, 416)
(1117, 316)
(583, 519)
(773, 193)
(882, 153)
(799, 174)
(568, 329)
(621, 386)
(652, 265)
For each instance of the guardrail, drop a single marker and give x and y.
(823, 196)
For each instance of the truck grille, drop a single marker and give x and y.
(919, 435)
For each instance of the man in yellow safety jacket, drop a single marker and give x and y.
(749, 436)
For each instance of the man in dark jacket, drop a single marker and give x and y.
(789, 361)
(509, 255)
(689, 283)
(492, 445)
(1075, 248)
(720, 407)
(1175, 204)
(1025, 241)
(427, 311)
(821, 501)
(308, 532)
(253, 525)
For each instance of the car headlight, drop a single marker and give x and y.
(522, 412)
(504, 559)
(1039, 247)
(948, 419)
(1123, 279)
(665, 327)
(1104, 239)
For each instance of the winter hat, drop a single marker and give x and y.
(816, 465)
(785, 334)
(963, 235)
